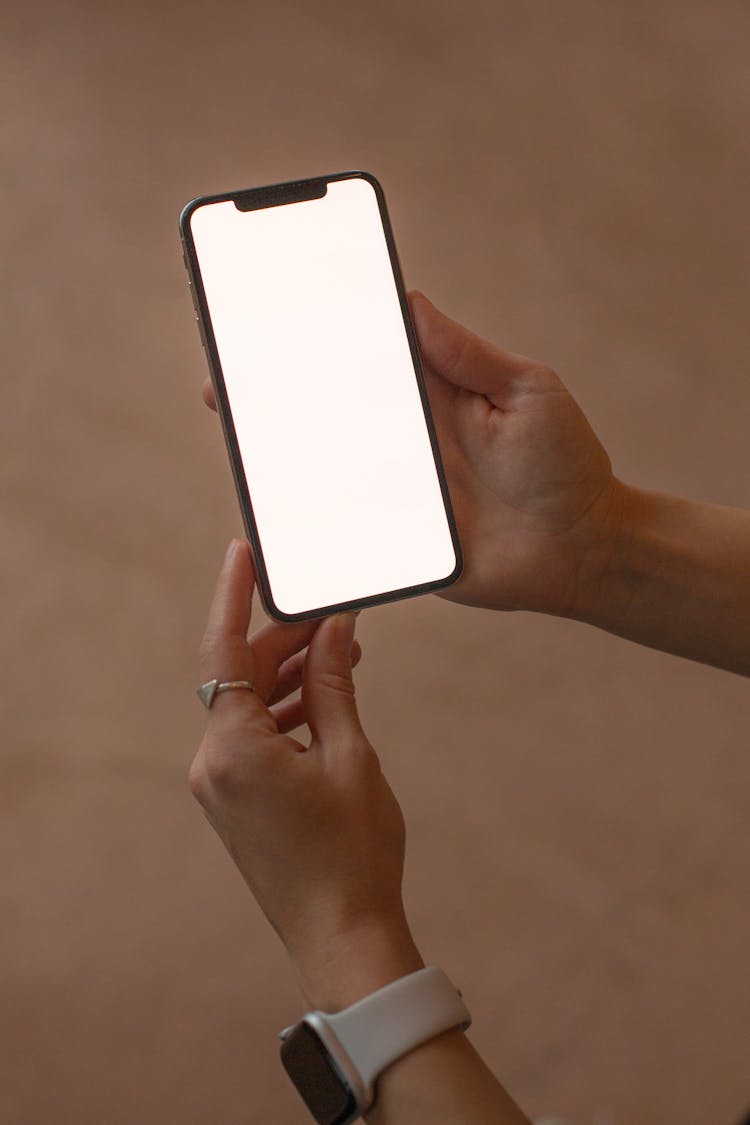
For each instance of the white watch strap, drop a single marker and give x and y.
(376, 1031)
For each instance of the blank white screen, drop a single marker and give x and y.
(325, 403)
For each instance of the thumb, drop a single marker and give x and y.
(462, 357)
(327, 685)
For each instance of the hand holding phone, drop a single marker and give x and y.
(315, 830)
(315, 367)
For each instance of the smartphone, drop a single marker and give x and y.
(314, 362)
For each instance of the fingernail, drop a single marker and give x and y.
(234, 546)
(344, 631)
(420, 303)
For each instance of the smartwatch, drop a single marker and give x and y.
(334, 1059)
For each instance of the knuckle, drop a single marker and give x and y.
(337, 682)
(223, 768)
(223, 771)
(544, 377)
(209, 644)
(197, 778)
(219, 652)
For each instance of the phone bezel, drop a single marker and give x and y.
(203, 318)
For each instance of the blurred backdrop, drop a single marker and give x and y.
(570, 180)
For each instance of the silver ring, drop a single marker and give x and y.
(208, 691)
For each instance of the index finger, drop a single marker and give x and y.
(232, 605)
(225, 654)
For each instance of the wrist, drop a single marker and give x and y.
(674, 579)
(605, 574)
(355, 962)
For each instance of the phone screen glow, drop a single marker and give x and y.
(324, 399)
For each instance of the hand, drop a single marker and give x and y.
(536, 503)
(315, 830)
(532, 488)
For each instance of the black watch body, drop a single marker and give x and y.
(318, 1076)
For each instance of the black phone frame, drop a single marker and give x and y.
(273, 195)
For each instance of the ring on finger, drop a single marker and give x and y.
(207, 692)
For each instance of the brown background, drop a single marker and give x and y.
(571, 180)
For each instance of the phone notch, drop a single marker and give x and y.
(278, 194)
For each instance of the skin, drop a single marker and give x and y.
(280, 804)
(319, 837)
(545, 525)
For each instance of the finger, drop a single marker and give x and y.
(231, 608)
(225, 653)
(207, 393)
(289, 678)
(462, 357)
(288, 716)
(290, 713)
(273, 645)
(327, 685)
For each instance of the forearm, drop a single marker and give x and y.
(442, 1082)
(675, 576)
